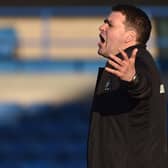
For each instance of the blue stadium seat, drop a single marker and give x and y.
(10, 112)
(8, 43)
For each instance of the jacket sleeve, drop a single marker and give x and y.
(143, 87)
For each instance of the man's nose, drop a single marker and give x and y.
(102, 27)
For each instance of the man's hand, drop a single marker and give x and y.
(122, 68)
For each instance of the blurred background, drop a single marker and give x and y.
(48, 70)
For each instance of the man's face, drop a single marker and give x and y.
(112, 34)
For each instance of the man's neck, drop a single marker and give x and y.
(130, 45)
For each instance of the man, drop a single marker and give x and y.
(128, 127)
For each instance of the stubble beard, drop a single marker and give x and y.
(104, 52)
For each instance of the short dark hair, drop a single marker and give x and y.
(136, 18)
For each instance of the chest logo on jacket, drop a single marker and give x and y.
(107, 87)
(162, 89)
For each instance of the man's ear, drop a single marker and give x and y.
(131, 36)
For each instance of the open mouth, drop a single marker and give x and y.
(102, 38)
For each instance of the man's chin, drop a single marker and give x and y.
(102, 54)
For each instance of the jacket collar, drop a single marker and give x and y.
(130, 49)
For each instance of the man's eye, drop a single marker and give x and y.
(107, 22)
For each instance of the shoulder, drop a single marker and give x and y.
(145, 57)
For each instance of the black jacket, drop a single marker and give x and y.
(128, 121)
